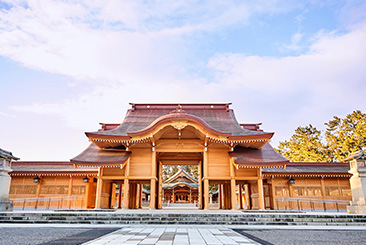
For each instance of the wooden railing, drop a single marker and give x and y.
(48, 203)
(308, 204)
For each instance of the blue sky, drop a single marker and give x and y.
(65, 66)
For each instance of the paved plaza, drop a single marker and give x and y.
(56, 234)
(173, 236)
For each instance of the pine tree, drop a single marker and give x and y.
(345, 136)
(304, 146)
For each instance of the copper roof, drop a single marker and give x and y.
(217, 118)
(310, 169)
(43, 168)
(95, 156)
(265, 157)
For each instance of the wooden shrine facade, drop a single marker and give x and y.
(238, 158)
(180, 188)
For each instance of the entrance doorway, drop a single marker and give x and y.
(179, 180)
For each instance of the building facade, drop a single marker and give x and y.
(238, 158)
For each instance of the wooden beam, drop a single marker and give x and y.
(115, 177)
(198, 149)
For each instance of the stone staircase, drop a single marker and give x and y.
(182, 218)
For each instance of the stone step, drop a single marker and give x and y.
(182, 218)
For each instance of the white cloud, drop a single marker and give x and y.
(130, 52)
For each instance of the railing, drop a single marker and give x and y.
(47, 203)
(308, 204)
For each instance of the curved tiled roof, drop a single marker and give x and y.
(265, 156)
(95, 156)
(217, 117)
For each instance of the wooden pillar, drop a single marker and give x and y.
(205, 180)
(173, 201)
(160, 191)
(140, 202)
(70, 192)
(120, 199)
(200, 199)
(98, 199)
(274, 193)
(153, 181)
(241, 206)
(190, 195)
(126, 190)
(247, 196)
(38, 192)
(87, 194)
(220, 196)
(322, 185)
(233, 186)
(260, 194)
(126, 185)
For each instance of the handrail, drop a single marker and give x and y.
(311, 201)
(48, 200)
(33, 199)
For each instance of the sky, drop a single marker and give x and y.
(66, 66)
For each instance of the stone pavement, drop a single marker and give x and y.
(172, 236)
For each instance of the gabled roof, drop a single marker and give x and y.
(7, 155)
(215, 118)
(181, 172)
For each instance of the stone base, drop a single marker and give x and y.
(356, 209)
(6, 206)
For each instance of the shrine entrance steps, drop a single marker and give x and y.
(191, 217)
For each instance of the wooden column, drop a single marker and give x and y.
(153, 181)
(200, 202)
(220, 196)
(140, 202)
(274, 193)
(38, 192)
(70, 192)
(137, 204)
(160, 191)
(190, 195)
(205, 180)
(126, 185)
(120, 199)
(98, 198)
(87, 194)
(322, 185)
(260, 194)
(241, 206)
(233, 186)
(173, 195)
(248, 200)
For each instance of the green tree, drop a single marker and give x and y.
(346, 135)
(304, 146)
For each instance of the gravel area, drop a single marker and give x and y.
(310, 237)
(50, 236)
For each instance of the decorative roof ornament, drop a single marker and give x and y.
(178, 110)
(7, 155)
(358, 155)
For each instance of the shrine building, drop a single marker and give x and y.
(237, 158)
